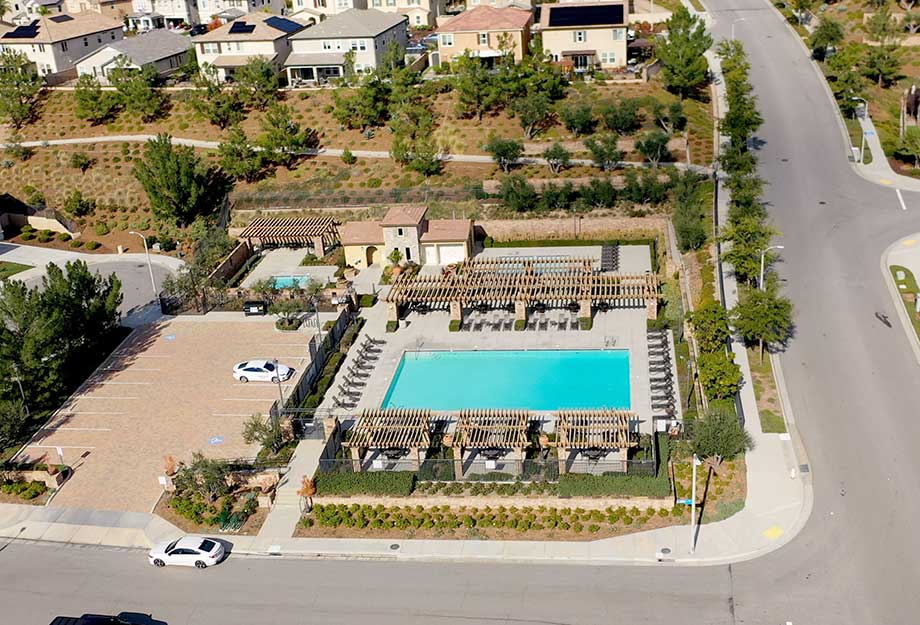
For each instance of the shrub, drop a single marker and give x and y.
(288, 325)
(77, 205)
(348, 158)
(92, 245)
(710, 326)
(586, 323)
(392, 326)
(27, 236)
(719, 375)
(44, 236)
(27, 228)
(454, 325)
(520, 324)
(62, 236)
(101, 229)
(394, 483)
(719, 434)
(367, 300)
(77, 243)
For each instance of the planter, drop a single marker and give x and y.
(292, 326)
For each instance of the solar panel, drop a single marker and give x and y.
(285, 26)
(23, 32)
(595, 15)
(60, 18)
(241, 28)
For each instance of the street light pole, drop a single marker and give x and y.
(695, 462)
(763, 256)
(280, 392)
(153, 283)
(740, 19)
(862, 142)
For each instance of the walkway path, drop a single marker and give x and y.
(286, 512)
(373, 154)
(879, 169)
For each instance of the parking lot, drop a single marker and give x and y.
(168, 390)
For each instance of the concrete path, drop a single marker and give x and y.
(282, 520)
(336, 152)
(879, 170)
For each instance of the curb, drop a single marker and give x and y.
(908, 327)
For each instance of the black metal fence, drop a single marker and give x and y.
(311, 198)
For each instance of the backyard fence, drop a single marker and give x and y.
(267, 199)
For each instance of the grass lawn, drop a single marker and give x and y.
(908, 289)
(771, 419)
(8, 269)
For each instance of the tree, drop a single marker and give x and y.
(557, 157)
(287, 310)
(882, 64)
(829, 33)
(745, 190)
(477, 90)
(517, 193)
(719, 434)
(710, 327)
(911, 22)
(265, 288)
(239, 158)
(284, 141)
(719, 375)
(910, 145)
(175, 179)
(395, 256)
(532, 112)
(683, 67)
(368, 105)
(413, 128)
(883, 27)
(267, 433)
(191, 282)
(138, 90)
(653, 147)
(77, 205)
(622, 117)
(605, 151)
(204, 476)
(12, 421)
(92, 103)
(845, 78)
(749, 237)
(215, 101)
(688, 203)
(81, 161)
(20, 88)
(763, 316)
(348, 66)
(505, 152)
(578, 119)
(671, 118)
(257, 83)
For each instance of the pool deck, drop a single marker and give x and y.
(616, 329)
(286, 262)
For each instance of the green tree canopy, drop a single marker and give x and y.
(505, 152)
(719, 433)
(605, 151)
(476, 87)
(257, 83)
(138, 90)
(92, 103)
(710, 327)
(517, 193)
(578, 119)
(622, 116)
(653, 146)
(284, 140)
(239, 158)
(20, 88)
(683, 67)
(557, 157)
(532, 112)
(719, 375)
(215, 101)
(828, 33)
(763, 316)
(175, 180)
(749, 237)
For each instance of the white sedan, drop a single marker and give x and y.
(188, 551)
(261, 371)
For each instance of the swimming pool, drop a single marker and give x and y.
(532, 380)
(291, 282)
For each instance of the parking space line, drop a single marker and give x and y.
(54, 427)
(125, 383)
(285, 344)
(127, 368)
(78, 397)
(247, 399)
(62, 446)
(231, 414)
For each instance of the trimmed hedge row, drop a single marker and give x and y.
(391, 483)
(621, 484)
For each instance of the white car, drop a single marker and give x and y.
(261, 371)
(188, 551)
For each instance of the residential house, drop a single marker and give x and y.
(190, 12)
(314, 11)
(319, 51)
(54, 43)
(22, 12)
(163, 50)
(420, 13)
(485, 32)
(173, 12)
(465, 5)
(116, 9)
(257, 35)
(142, 21)
(407, 229)
(589, 35)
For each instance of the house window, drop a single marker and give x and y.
(391, 3)
(408, 253)
(618, 34)
(113, 35)
(375, 3)
(327, 45)
(483, 39)
(41, 47)
(418, 20)
(580, 36)
(475, 2)
(608, 58)
(85, 42)
(99, 38)
(64, 46)
(399, 232)
(209, 48)
(447, 39)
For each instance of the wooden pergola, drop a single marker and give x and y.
(602, 430)
(320, 232)
(389, 430)
(523, 282)
(490, 431)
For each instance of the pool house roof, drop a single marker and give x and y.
(509, 279)
(386, 428)
(492, 429)
(594, 429)
(288, 231)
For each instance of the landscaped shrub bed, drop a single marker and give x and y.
(512, 489)
(24, 490)
(194, 508)
(620, 484)
(388, 483)
(496, 521)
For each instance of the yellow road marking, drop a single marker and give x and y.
(885, 181)
(908, 242)
(773, 532)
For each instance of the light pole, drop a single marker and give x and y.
(740, 19)
(280, 392)
(21, 392)
(696, 463)
(153, 283)
(763, 256)
(862, 142)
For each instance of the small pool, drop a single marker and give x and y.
(291, 282)
(532, 380)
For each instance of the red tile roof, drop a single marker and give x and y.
(447, 230)
(404, 216)
(484, 18)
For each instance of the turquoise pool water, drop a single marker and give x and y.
(533, 380)
(290, 282)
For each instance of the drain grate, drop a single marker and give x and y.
(803, 468)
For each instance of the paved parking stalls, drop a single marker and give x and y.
(168, 390)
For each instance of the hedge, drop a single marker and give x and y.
(392, 483)
(620, 484)
(652, 242)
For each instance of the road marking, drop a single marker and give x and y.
(125, 383)
(72, 412)
(773, 533)
(131, 369)
(63, 446)
(245, 399)
(885, 181)
(901, 200)
(56, 427)
(231, 414)
(101, 397)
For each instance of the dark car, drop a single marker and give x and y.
(255, 307)
(198, 29)
(124, 618)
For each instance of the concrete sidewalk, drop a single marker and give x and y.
(879, 170)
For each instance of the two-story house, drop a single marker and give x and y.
(485, 32)
(408, 230)
(177, 12)
(22, 12)
(163, 50)
(54, 43)
(257, 35)
(314, 11)
(116, 9)
(589, 35)
(420, 13)
(319, 51)
(171, 13)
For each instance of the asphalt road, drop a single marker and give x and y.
(852, 382)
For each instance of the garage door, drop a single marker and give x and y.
(431, 254)
(452, 254)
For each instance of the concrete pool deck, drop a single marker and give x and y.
(286, 262)
(615, 329)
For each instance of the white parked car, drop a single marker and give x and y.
(261, 371)
(188, 551)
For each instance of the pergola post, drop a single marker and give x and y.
(563, 453)
(319, 247)
(356, 459)
(651, 307)
(520, 311)
(416, 458)
(624, 458)
(456, 311)
(392, 314)
(584, 308)
(458, 463)
(519, 460)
